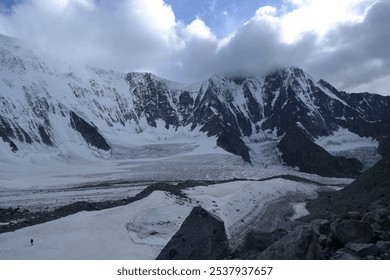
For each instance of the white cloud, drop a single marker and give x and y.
(127, 35)
(198, 28)
(266, 11)
(320, 16)
(343, 41)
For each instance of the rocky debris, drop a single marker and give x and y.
(346, 237)
(300, 244)
(298, 149)
(202, 236)
(353, 223)
(257, 241)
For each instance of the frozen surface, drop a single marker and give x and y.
(141, 229)
(48, 182)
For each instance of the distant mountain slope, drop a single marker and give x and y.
(47, 105)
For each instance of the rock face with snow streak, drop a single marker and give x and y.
(202, 236)
(298, 149)
(38, 97)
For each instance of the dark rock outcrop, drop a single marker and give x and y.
(89, 132)
(233, 144)
(372, 186)
(298, 149)
(257, 241)
(384, 147)
(352, 231)
(202, 236)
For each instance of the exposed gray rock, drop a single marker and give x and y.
(352, 231)
(257, 241)
(384, 147)
(378, 216)
(202, 236)
(383, 246)
(371, 187)
(344, 254)
(300, 244)
(321, 226)
(363, 249)
(353, 215)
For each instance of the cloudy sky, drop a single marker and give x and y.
(346, 42)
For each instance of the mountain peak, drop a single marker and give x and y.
(36, 103)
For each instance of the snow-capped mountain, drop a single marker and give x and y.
(47, 105)
(145, 151)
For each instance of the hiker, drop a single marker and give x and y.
(32, 241)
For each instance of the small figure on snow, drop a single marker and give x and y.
(32, 242)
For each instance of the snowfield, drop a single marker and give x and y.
(141, 229)
(42, 182)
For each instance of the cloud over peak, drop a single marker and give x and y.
(343, 41)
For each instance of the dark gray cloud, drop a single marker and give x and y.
(139, 35)
(355, 54)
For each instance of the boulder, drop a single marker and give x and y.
(363, 249)
(202, 236)
(379, 216)
(257, 241)
(344, 254)
(383, 247)
(322, 226)
(300, 244)
(352, 231)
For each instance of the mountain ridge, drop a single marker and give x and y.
(40, 104)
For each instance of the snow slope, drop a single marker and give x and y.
(141, 229)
